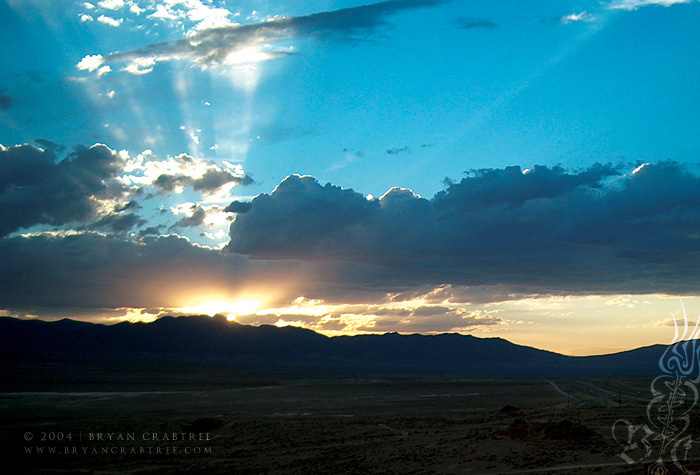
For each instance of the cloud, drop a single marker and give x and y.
(202, 215)
(111, 4)
(195, 218)
(401, 261)
(151, 231)
(397, 150)
(92, 270)
(110, 21)
(204, 16)
(92, 186)
(211, 181)
(541, 230)
(118, 223)
(133, 204)
(576, 17)
(636, 4)
(470, 23)
(379, 319)
(303, 216)
(5, 101)
(238, 44)
(50, 145)
(55, 274)
(238, 207)
(35, 189)
(431, 319)
(90, 62)
(174, 174)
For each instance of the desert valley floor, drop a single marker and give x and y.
(289, 425)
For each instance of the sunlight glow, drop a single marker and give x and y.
(223, 307)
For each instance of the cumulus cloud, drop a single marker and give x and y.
(204, 16)
(175, 173)
(195, 217)
(238, 207)
(542, 229)
(35, 189)
(237, 44)
(306, 218)
(110, 21)
(111, 4)
(50, 145)
(90, 62)
(401, 261)
(93, 187)
(151, 231)
(210, 181)
(202, 215)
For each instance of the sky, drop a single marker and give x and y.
(523, 170)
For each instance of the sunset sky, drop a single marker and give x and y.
(524, 170)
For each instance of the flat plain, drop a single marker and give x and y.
(303, 424)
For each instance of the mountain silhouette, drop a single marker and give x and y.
(215, 343)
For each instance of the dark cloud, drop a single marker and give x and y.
(118, 223)
(543, 230)
(196, 219)
(131, 205)
(302, 216)
(35, 189)
(50, 145)
(212, 180)
(397, 150)
(497, 234)
(238, 207)
(5, 101)
(212, 46)
(168, 183)
(151, 231)
(91, 270)
(470, 23)
(512, 186)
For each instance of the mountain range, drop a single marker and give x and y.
(184, 344)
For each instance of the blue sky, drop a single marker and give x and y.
(195, 105)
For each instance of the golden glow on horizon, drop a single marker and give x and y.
(222, 307)
(575, 325)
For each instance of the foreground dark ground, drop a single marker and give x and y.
(332, 425)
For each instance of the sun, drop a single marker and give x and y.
(223, 307)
